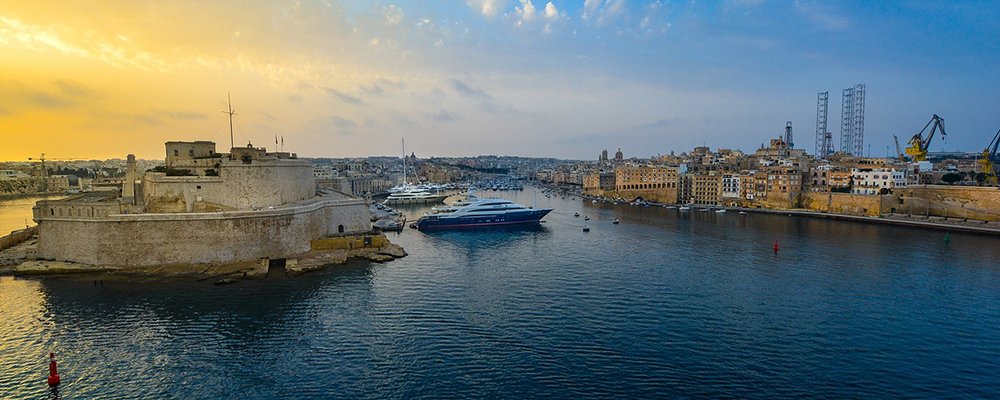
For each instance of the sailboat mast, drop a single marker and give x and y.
(231, 112)
(404, 160)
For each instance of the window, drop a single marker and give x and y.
(198, 187)
(176, 153)
(191, 152)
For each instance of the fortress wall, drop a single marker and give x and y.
(144, 240)
(266, 183)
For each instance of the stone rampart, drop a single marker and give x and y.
(17, 237)
(966, 202)
(842, 203)
(144, 240)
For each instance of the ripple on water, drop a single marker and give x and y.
(665, 304)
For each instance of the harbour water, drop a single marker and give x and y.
(666, 304)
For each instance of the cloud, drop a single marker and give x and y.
(62, 94)
(590, 8)
(469, 91)
(392, 15)
(397, 84)
(442, 116)
(343, 122)
(374, 89)
(344, 96)
(526, 12)
(551, 12)
(489, 8)
(487, 102)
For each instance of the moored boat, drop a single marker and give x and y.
(484, 212)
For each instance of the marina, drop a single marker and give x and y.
(666, 304)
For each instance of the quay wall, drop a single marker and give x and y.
(17, 237)
(145, 240)
(966, 202)
(842, 203)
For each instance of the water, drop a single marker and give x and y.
(15, 213)
(666, 304)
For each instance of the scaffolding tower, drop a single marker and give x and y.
(852, 120)
(823, 146)
(788, 134)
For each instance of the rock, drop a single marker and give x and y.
(394, 250)
(258, 270)
(373, 256)
(225, 281)
(46, 267)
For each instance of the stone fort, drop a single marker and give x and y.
(201, 207)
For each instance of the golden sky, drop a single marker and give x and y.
(564, 78)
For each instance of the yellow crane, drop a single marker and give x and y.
(899, 152)
(989, 159)
(45, 172)
(919, 145)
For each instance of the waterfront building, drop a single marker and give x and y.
(706, 188)
(654, 183)
(872, 181)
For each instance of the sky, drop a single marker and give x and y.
(533, 78)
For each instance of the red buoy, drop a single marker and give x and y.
(53, 372)
(775, 247)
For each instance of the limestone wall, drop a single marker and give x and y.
(16, 237)
(842, 203)
(971, 202)
(238, 187)
(133, 240)
(268, 183)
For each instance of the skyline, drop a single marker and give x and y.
(538, 79)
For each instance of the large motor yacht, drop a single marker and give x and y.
(414, 195)
(484, 212)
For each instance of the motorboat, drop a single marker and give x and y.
(684, 208)
(576, 214)
(616, 221)
(586, 218)
(586, 229)
(720, 211)
(414, 195)
(483, 212)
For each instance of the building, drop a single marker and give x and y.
(872, 181)
(653, 183)
(706, 189)
(256, 205)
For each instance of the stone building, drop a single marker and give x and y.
(653, 183)
(255, 205)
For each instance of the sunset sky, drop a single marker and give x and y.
(97, 79)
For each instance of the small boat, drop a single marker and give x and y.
(684, 208)
(720, 211)
(576, 214)
(586, 218)
(616, 221)
(743, 213)
(586, 229)
(594, 201)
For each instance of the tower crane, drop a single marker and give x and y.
(989, 160)
(919, 145)
(45, 172)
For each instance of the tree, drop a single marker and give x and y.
(951, 177)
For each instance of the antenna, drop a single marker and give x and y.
(231, 112)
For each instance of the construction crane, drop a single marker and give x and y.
(899, 152)
(919, 145)
(45, 172)
(989, 159)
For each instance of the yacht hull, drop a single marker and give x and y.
(432, 222)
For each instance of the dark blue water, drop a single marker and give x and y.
(666, 304)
